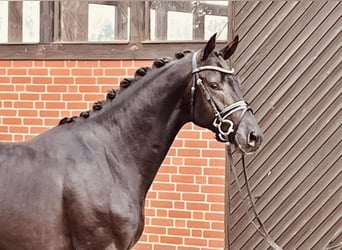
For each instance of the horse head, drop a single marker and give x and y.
(216, 98)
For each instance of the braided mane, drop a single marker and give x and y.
(125, 83)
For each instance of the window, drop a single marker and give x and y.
(107, 29)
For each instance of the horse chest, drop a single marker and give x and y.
(104, 214)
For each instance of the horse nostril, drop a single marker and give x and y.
(252, 139)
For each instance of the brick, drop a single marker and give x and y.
(162, 222)
(164, 247)
(201, 180)
(22, 63)
(187, 188)
(20, 87)
(81, 72)
(212, 189)
(168, 195)
(196, 215)
(36, 88)
(59, 72)
(51, 122)
(87, 88)
(6, 87)
(63, 80)
(218, 225)
(88, 63)
(142, 63)
(182, 178)
(41, 80)
(188, 152)
(18, 129)
(186, 248)
(28, 112)
(214, 171)
(20, 79)
(29, 96)
(16, 71)
(178, 231)
(197, 206)
(180, 223)
(70, 63)
(4, 63)
(55, 63)
(11, 120)
(163, 186)
(50, 97)
(18, 137)
(162, 177)
(213, 234)
(77, 105)
(216, 180)
(216, 243)
(32, 121)
(215, 198)
(196, 161)
(37, 130)
(98, 72)
(196, 233)
(6, 137)
(110, 63)
(179, 214)
(8, 104)
(195, 144)
(48, 113)
(4, 129)
(115, 72)
(93, 97)
(161, 213)
(155, 230)
(214, 216)
(8, 96)
(5, 79)
(193, 197)
(56, 88)
(179, 205)
(39, 63)
(108, 80)
(72, 97)
(213, 153)
(55, 105)
(38, 71)
(171, 240)
(163, 204)
(195, 241)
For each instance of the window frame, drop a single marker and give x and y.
(138, 47)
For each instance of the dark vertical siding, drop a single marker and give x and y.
(289, 61)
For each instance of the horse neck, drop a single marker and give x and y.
(151, 114)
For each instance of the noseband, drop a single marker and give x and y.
(222, 122)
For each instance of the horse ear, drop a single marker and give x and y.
(229, 50)
(209, 47)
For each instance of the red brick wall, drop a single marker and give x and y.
(184, 208)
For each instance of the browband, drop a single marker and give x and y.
(215, 68)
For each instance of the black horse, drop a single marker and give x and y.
(82, 185)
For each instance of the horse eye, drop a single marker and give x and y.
(214, 85)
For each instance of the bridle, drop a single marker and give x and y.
(222, 121)
(226, 128)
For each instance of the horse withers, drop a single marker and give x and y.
(82, 184)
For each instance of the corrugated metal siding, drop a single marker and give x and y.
(289, 61)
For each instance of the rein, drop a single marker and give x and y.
(225, 127)
(259, 225)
